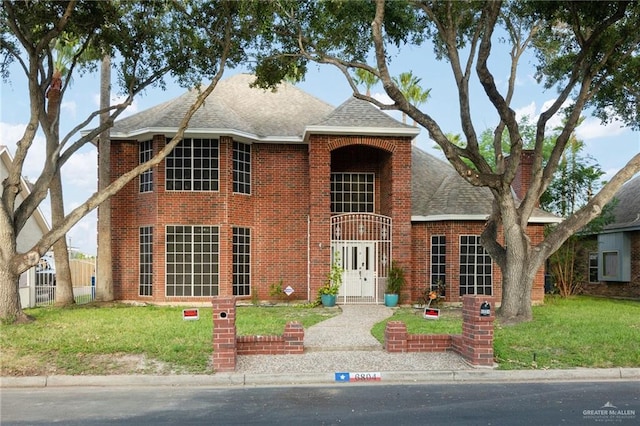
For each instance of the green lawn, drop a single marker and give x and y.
(121, 339)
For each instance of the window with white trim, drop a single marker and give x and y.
(192, 266)
(145, 154)
(241, 261)
(193, 166)
(438, 261)
(146, 261)
(593, 267)
(476, 275)
(352, 193)
(241, 168)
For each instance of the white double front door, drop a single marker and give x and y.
(359, 264)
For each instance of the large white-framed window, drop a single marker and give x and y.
(145, 154)
(241, 168)
(241, 261)
(192, 260)
(476, 270)
(352, 193)
(193, 165)
(438, 262)
(146, 261)
(593, 267)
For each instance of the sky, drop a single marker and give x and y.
(610, 145)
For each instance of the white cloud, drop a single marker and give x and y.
(117, 99)
(81, 170)
(592, 128)
(526, 111)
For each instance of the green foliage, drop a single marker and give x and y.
(395, 279)
(276, 290)
(334, 278)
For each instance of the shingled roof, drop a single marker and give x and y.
(232, 108)
(627, 210)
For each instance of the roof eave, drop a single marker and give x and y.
(148, 132)
(357, 130)
(476, 217)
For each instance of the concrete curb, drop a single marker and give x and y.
(390, 377)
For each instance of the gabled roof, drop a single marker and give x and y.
(6, 162)
(359, 117)
(627, 210)
(233, 108)
(439, 193)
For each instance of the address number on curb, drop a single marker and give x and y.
(358, 377)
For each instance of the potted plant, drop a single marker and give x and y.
(395, 282)
(329, 291)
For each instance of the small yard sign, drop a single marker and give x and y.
(431, 313)
(288, 291)
(190, 314)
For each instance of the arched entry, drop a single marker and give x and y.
(362, 242)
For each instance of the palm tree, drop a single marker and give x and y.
(409, 86)
(367, 78)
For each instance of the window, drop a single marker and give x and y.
(352, 193)
(241, 261)
(475, 267)
(438, 262)
(593, 267)
(241, 168)
(146, 261)
(144, 155)
(193, 166)
(610, 264)
(192, 260)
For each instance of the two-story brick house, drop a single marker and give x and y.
(267, 186)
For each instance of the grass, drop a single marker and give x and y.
(109, 340)
(122, 339)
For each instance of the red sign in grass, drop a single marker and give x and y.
(190, 314)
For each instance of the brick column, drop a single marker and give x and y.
(476, 344)
(293, 338)
(395, 337)
(224, 334)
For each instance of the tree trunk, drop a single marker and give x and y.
(64, 287)
(104, 276)
(10, 307)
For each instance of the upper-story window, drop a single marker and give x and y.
(241, 168)
(146, 178)
(193, 166)
(352, 193)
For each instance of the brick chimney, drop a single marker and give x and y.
(522, 180)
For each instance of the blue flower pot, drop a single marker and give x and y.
(328, 300)
(391, 300)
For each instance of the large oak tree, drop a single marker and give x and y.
(587, 51)
(149, 41)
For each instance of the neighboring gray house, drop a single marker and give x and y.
(33, 230)
(614, 266)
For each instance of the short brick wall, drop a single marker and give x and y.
(475, 344)
(227, 345)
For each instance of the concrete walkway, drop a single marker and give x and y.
(349, 331)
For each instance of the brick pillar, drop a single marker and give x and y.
(395, 336)
(224, 334)
(476, 344)
(293, 338)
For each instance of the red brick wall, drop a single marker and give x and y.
(421, 247)
(475, 343)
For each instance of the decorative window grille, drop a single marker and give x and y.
(241, 261)
(476, 275)
(438, 261)
(146, 261)
(241, 168)
(193, 166)
(352, 193)
(192, 265)
(146, 177)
